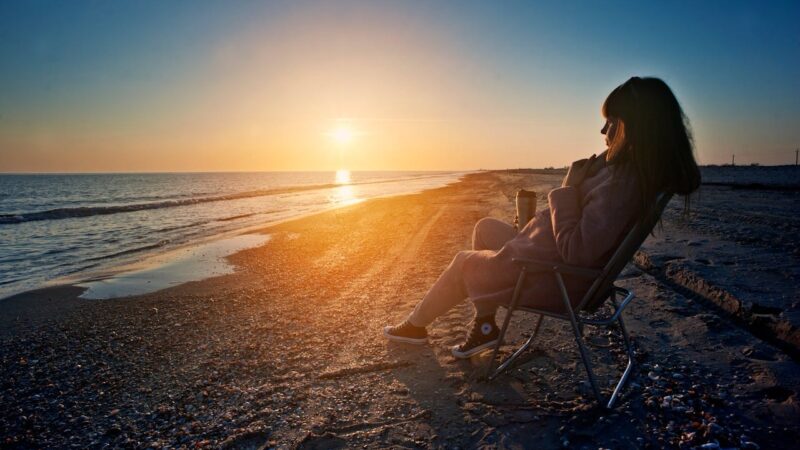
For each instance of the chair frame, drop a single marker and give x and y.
(601, 290)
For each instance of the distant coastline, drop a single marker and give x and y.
(754, 176)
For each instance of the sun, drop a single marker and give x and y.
(342, 134)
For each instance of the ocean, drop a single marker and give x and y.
(57, 225)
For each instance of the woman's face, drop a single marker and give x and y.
(610, 130)
(615, 135)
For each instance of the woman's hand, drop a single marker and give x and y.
(579, 171)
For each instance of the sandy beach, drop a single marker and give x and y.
(287, 351)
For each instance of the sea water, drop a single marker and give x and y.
(55, 225)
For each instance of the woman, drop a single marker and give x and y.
(649, 150)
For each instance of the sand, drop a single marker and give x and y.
(739, 249)
(287, 352)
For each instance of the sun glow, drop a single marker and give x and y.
(342, 176)
(342, 134)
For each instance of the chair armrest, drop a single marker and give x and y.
(558, 267)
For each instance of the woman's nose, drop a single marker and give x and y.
(604, 129)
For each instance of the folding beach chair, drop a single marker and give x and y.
(601, 290)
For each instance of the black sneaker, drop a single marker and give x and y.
(483, 336)
(407, 333)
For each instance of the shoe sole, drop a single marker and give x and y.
(405, 340)
(473, 351)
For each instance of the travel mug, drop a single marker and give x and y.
(526, 208)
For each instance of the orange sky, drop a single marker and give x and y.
(262, 90)
(267, 99)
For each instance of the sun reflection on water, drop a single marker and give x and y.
(344, 195)
(342, 176)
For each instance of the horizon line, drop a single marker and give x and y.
(168, 172)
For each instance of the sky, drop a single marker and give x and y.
(113, 86)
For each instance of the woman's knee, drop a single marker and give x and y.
(458, 260)
(490, 234)
(479, 232)
(484, 223)
(457, 263)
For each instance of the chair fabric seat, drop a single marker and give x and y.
(545, 312)
(540, 292)
(555, 307)
(558, 311)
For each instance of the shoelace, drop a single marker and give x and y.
(474, 336)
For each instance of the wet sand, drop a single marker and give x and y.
(287, 352)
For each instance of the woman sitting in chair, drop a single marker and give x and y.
(649, 150)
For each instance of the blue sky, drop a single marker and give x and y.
(168, 85)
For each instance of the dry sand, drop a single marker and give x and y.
(287, 352)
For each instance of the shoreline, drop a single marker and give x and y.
(154, 257)
(286, 352)
(63, 294)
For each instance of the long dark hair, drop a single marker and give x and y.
(654, 139)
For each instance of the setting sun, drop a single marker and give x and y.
(342, 134)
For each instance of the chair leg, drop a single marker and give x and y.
(507, 362)
(577, 328)
(587, 363)
(507, 320)
(628, 368)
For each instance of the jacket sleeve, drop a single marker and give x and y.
(587, 229)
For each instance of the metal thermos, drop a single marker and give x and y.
(526, 207)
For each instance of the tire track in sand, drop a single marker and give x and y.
(389, 270)
(355, 345)
(369, 293)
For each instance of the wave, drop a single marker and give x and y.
(180, 227)
(142, 248)
(240, 216)
(88, 211)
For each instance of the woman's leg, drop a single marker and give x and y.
(491, 234)
(447, 292)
